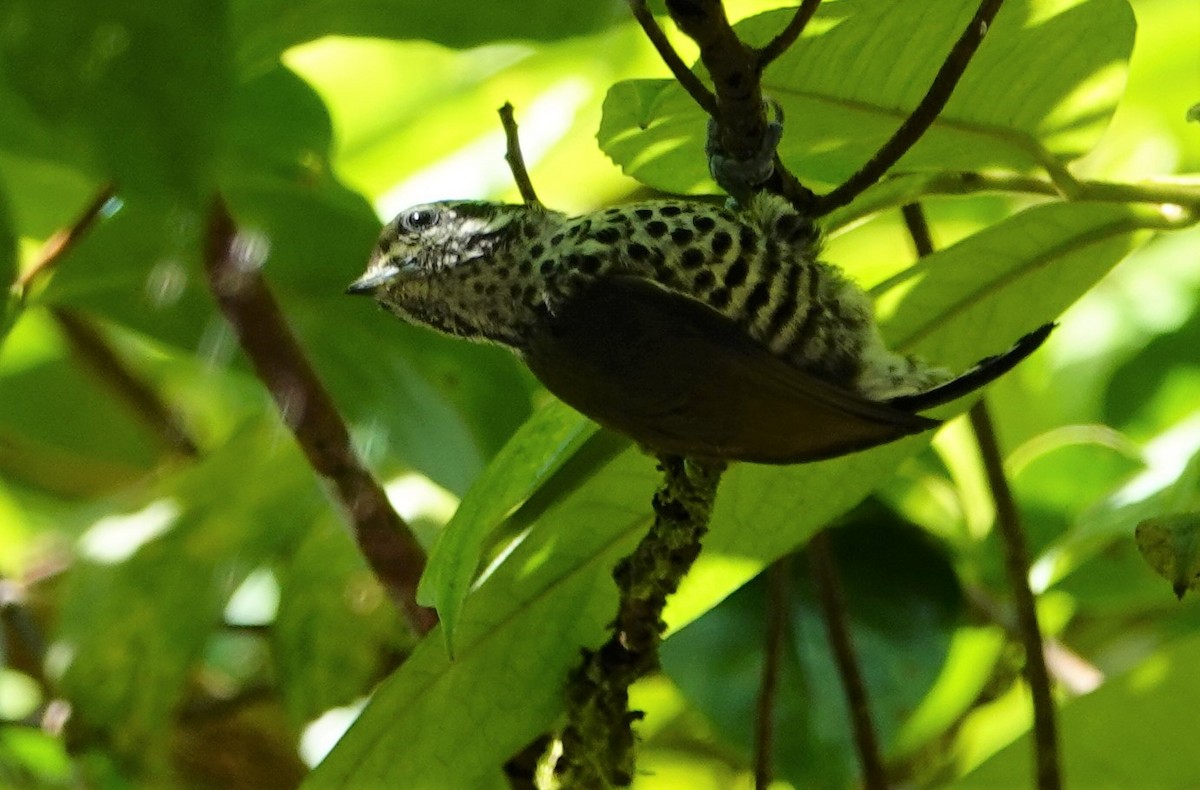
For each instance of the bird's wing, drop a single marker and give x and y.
(678, 376)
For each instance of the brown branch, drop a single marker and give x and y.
(1016, 567)
(598, 740)
(683, 75)
(738, 110)
(94, 351)
(922, 117)
(823, 566)
(778, 590)
(516, 161)
(59, 244)
(385, 540)
(780, 44)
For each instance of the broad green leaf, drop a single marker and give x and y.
(265, 28)
(994, 286)
(902, 601)
(522, 627)
(863, 66)
(153, 577)
(1170, 544)
(1134, 731)
(143, 92)
(535, 452)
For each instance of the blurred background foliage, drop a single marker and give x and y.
(194, 612)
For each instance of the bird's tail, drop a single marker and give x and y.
(984, 372)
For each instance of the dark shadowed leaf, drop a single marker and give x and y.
(903, 601)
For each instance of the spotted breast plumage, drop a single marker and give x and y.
(507, 273)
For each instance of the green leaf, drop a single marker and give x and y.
(265, 28)
(534, 453)
(142, 91)
(1132, 732)
(503, 685)
(848, 83)
(994, 286)
(902, 602)
(1170, 544)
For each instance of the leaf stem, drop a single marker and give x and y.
(93, 349)
(240, 291)
(63, 241)
(778, 589)
(823, 567)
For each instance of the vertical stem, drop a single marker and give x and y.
(823, 566)
(1016, 567)
(778, 587)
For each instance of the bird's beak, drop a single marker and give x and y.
(373, 279)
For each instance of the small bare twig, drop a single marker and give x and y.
(59, 244)
(778, 45)
(94, 350)
(1016, 568)
(683, 75)
(918, 228)
(516, 161)
(922, 117)
(823, 566)
(778, 593)
(598, 740)
(385, 540)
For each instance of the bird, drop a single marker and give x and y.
(699, 329)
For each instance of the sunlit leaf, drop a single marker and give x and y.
(534, 453)
(1128, 733)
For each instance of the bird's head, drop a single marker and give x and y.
(425, 241)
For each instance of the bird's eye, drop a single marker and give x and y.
(419, 219)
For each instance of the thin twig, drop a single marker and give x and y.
(922, 117)
(385, 540)
(778, 45)
(1016, 560)
(516, 161)
(683, 75)
(59, 244)
(1016, 567)
(94, 350)
(823, 566)
(778, 592)
(598, 740)
(918, 228)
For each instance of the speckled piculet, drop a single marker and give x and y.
(692, 327)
